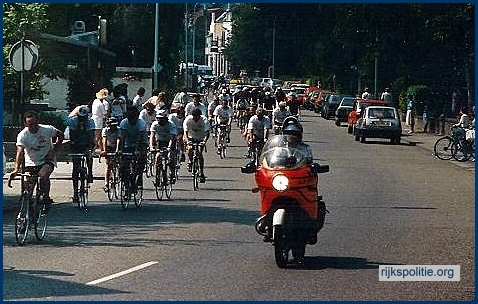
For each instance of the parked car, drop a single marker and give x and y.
(379, 122)
(266, 82)
(345, 107)
(300, 93)
(330, 105)
(319, 101)
(310, 102)
(354, 115)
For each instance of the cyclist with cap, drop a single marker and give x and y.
(110, 135)
(257, 129)
(196, 129)
(163, 135)
(133, 139)
(278, 116)
(223, 116)
(82, 140)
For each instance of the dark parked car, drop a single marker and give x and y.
(345, 107)
(330, 105)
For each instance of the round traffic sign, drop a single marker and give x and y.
(23, 58)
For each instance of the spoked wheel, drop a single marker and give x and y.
(223, 151)
(42, 220)
(125, 194)
(168, 189)
(460, 151)
(158, 184)
(195, 171)
(113, 185)
(21, 221)
(281, 249)
(82, 201)
(138, 197)
(150, 165)
(442, 148)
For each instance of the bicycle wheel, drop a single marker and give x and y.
(82, 191)
(41, 219)
(125, 194)
(442, 148)
(459, 151)
(195, 174)
(167, 186)
(150, 165)
(138, 197)
(21, 220)
(158, 184)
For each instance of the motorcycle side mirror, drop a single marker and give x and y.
(317, 168)
(249, 168)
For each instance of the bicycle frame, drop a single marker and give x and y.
(82, 176)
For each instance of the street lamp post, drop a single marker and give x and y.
(273, 48)
(186, 20)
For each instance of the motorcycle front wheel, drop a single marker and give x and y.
(281, 249)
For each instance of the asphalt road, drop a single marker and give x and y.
(389, 205)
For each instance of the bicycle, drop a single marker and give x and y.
(129, 191)
(83, 186)
(112, 184)
(161, 183)
(256, 149)
(221, 140)
(195, 162)
(33, 212)
(454, 146)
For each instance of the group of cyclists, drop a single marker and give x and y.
(139, 128)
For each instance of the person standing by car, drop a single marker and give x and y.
(100, 112)
(387, 96)
(37, 145)
(366, 94)
(410, 117)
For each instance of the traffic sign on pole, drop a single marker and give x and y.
(23, 56)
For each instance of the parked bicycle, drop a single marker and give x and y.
(161, 182)
(82, 176)
(454, 145)
(195, 170)
(33, 212)
(129, 190)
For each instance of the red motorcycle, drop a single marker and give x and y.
(292, 211)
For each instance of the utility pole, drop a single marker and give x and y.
(156, 49)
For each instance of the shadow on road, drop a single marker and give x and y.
(324, 262)
(40, 284)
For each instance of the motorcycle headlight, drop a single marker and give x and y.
(280, 182)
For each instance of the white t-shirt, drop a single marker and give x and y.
(164, 132)
(222, 115)
(98, 112)
(177, 121)
(191, 106)
(197, 129)
(37, 145)
(258, 126)
(279, 115)
(148, 118)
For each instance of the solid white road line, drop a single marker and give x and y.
(110, 277)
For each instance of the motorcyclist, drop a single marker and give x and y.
(291, 126)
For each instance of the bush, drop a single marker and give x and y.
(421, 95)
(56, 119)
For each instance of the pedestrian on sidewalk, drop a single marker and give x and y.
(425, 119)
(410, 118)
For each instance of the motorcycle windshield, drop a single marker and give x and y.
(283, 152)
